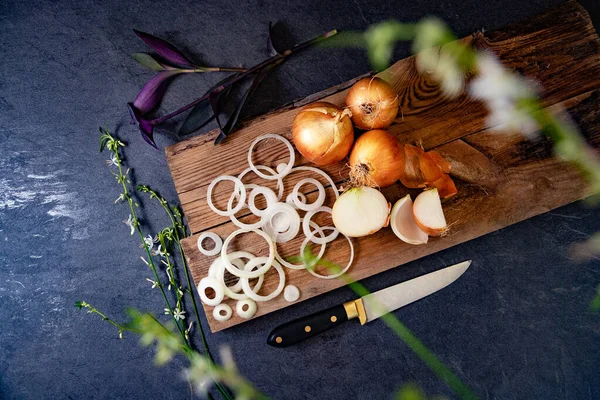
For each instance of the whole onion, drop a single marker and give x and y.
(323, 133)
(377, 159)
(373, 102)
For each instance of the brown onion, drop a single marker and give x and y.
(377, 159)
(323, 133)
(373, 102)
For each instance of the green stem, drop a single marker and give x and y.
(137, 228)
(176, 225)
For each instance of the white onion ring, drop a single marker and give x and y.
(323, 174)
(243, 273)
(327, 276)
(312, 206)
(215, 238)
(287, 168)
(236, 259)
(214, 284)
(291, 293)
(232, 294)
(306, 229)
(289, 200)
(294, 226)
(269, 196)
(281, 167)
(239, 187)
(258, 224)
(246, 314)
(246, 284)
(302, 266)
(222, 307)
(271, 171)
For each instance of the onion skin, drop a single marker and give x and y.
(377, 159)
(411, 175)
(446, 166)
(373, 102)
(323, 133)
(445, 186)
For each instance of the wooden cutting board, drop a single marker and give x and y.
(501, 179)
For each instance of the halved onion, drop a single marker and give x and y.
(403, 222)
(429, 214)
(360, 211)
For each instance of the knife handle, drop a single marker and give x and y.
(306, 327)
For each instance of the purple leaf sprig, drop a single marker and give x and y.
(174, 62)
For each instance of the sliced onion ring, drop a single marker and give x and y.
(269, 170)
(306, 228)
(214, 284)
(308, 238)
(302, 266)
(294, 225)
(291, 293)
(222, 317)
(246, 284)
(290, 200)
(287, 168)
(269, 196)
(243, 273)
(216, 269)
(258, 224)
(323, 174)
(312, 206)
(239, 188)
(246, 314)
(230, 293)
(215, 238)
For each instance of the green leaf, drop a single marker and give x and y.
(79, 304)
(381, 39)
(148, 61)
(410, 392)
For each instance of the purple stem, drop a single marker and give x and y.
(236, 78)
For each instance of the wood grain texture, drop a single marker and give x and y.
(502, 179)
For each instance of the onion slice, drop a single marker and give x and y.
(403, 222)
(269, 170)
(312, 206)
(285, 170)
(215, 238)
(428, 213)
(239, 188)
(229, 292)
(249, 311)
(222, 312)
(269, 196)
(215, 285)
(293, 227)
(243, 273)
(306, 227)
(246, 284)
(335, 275)
(302, 266)
(291, 293)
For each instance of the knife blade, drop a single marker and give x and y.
(367, 308)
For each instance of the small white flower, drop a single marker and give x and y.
(144, 260)
(159, 251)
(120, 198)
(149, 242)
(120, 334)
(130, 222)
(113, 161)
(154, 283)
(178, 314)
(501, 90)
(167, 311)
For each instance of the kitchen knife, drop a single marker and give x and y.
(367, 308)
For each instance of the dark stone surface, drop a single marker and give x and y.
(516, 326)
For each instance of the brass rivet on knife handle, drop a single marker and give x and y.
(356, 309)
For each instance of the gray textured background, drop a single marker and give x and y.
(516, 326)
